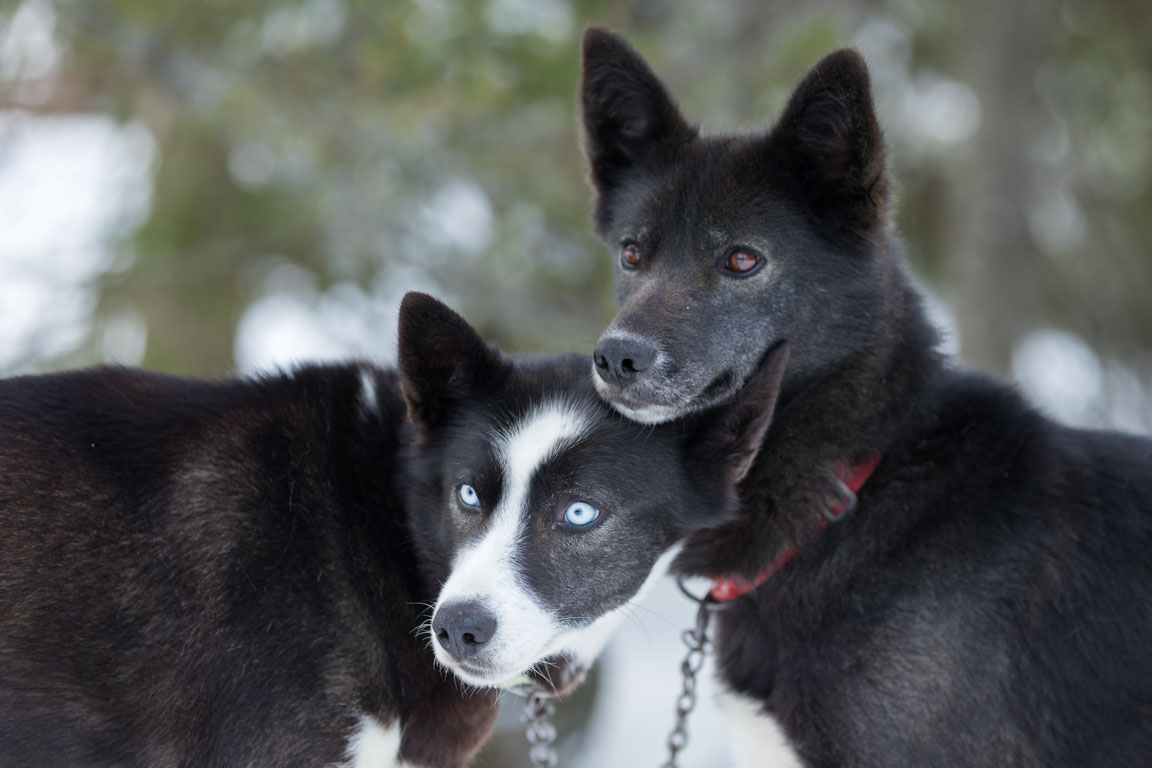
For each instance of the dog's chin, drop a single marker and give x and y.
(556, 675)
(476, 675)
(646, 407)
(648, 414)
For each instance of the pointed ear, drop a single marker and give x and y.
(441, 360)
(728, 439)
(829, 140)
(629, 118)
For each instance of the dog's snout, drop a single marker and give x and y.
(619, 360)
(463, 628)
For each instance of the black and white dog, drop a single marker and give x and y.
(555, 511)
(989, 602)
(234, 573)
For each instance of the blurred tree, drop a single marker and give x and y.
(435, 143)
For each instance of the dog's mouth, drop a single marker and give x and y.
(721, 387)
(558, 675)
(652, 409)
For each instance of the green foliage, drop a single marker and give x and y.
(325, 133)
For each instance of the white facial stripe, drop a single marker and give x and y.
(489, 571)
(549, 429)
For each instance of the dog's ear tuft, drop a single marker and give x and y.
(628, 115)
(727, 439)
(441, 360)
(831, 143)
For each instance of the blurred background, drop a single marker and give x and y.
(217, 186)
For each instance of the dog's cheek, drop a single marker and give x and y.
(727, 333)
(583, 645)
(625, 284)
(488, 572)
(598, 571)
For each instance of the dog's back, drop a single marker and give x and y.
(991, 603)
(211, 574)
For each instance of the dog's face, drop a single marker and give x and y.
(726, 245)
(550, 511)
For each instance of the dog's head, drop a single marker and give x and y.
(550, 512)
(725, 245)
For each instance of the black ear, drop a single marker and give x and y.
(830, 142)
(727, 440)
(629, 118)
(442, 360)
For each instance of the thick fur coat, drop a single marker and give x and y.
(989, 601)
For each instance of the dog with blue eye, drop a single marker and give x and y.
(235, 573)
(541, 511)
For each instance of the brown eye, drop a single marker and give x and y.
(630, 256)
(741, 261)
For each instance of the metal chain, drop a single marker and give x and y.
(699, 645)
(538, 712)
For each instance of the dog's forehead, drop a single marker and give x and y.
(572, 430)
(708, 194)
(549, 425)
(542, 407)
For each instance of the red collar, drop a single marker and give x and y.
(850, 479)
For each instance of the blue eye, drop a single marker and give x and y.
(580, 513)
(468, 496)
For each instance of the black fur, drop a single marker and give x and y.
(651, 486)
(990, 601)
(211, 574)
(229, 574)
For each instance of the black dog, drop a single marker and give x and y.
(234, 573)
(990, 601)
(216, 574)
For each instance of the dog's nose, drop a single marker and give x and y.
(463, 627)
(618, 360)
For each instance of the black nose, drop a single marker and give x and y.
(463, 627)
(618, 360)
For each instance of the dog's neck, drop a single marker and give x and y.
(863, 404)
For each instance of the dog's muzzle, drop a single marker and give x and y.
(620, 360)
(463, 628)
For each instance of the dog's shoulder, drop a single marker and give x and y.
(987, 431)
(1044, 508)
(113, 402)
(144, 452)
(978, 421)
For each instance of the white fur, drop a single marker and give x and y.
(369, 401)
(374, 745)
(756, 739)
(489, 571)
(648, 414)
(549, 429)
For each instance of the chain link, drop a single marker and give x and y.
(696, 639)
(539, 709)
(541, 733)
